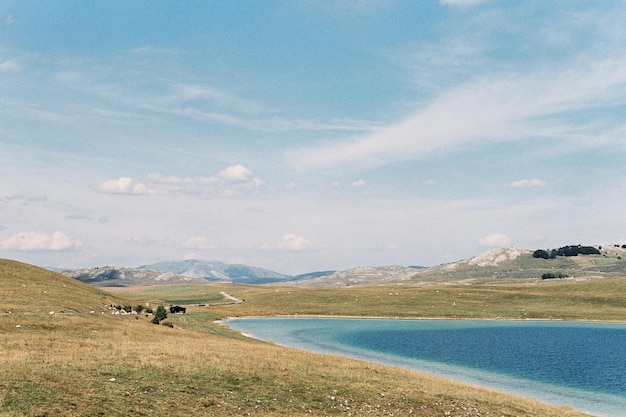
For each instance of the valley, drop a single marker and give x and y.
(67, 350)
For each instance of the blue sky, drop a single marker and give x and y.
(308, 135)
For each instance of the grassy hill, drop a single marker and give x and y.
(511, 265)
(84, 364)
(29, 289)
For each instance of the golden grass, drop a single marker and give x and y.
(119, 365)
(29, 289)
(603, 299)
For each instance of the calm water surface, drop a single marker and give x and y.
(582, 365)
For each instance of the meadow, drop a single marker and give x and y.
(63, 351)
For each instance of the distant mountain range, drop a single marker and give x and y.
(219, 271)
(510, 264)
(114, 276)
(183, 272)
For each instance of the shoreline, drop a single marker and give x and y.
(323, 316)
(547, 393)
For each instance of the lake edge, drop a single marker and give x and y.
(468, 378)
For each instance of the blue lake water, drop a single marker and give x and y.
(582, 365)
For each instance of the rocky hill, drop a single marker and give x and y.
(219, 271)
(362, 275)
(114, 276)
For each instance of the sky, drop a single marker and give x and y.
(309, 135)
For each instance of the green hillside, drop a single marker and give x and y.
(30, 289)
(510, 265)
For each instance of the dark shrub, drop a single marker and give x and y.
(552, 275)
(160, 314)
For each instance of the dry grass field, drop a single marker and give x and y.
(85, 361)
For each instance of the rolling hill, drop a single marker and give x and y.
(513, 264)
(30, 289)
(362, 275)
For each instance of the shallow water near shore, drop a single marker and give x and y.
(577, 364)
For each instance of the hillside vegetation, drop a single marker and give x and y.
(29, 289)
(81, 363)
(511, 265)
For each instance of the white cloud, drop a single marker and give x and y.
(529, 183)
(235, 173)
(197, 242)
(461, 2)
(494, 240)
(230, 182)
(27, 241)
(10, 67)
(293, 242)
(124, 185)
(289, 242)
(359, 183)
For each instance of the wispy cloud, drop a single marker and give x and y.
(31, 241)
(461, 2)
(528, 183)
(197, 94)
(10, 67)
(501, 108)
(197, 242)
(197, 101)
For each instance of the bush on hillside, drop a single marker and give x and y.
(552, 275)
(570, 250)
(159, 315)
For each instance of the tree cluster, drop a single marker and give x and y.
(552, 275)
(159, 315)
(571, 250)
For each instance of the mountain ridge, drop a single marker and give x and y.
(494, 265)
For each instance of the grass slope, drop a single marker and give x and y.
(29, 289)
(82, 364)
(602, 299)
(612, 263)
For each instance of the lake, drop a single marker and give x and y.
(579, 364)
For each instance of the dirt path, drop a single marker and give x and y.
(230, 297)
